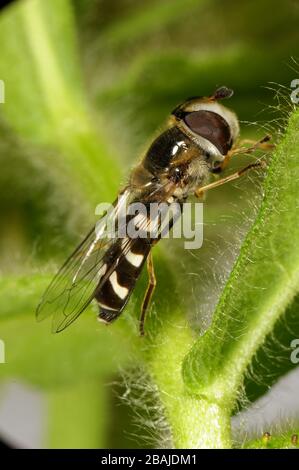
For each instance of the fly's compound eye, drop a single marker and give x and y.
(210, 126)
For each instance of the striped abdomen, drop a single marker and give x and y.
(115, 292)
(123, 263)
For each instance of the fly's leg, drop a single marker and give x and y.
(149, 291)
(262, 144)
(201, 190)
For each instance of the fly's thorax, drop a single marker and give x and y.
(173, 158)
(167, 147)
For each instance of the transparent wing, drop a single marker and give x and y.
(77, 281)
(73, 287)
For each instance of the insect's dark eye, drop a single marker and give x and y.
(212, 127)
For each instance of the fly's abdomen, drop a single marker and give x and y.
(125, 262)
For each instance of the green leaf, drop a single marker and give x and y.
(48, 105)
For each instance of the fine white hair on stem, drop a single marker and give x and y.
(136, 390)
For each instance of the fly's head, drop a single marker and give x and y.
(212, 127)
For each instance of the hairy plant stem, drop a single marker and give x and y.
(194, 422)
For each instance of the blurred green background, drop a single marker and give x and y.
(87, 86)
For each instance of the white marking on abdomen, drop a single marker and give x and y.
(134, 259)
(119, 290)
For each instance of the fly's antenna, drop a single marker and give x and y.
(221, 94)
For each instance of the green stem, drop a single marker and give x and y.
(186, 414)
(195, 433)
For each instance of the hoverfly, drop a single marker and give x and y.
(200, 140)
